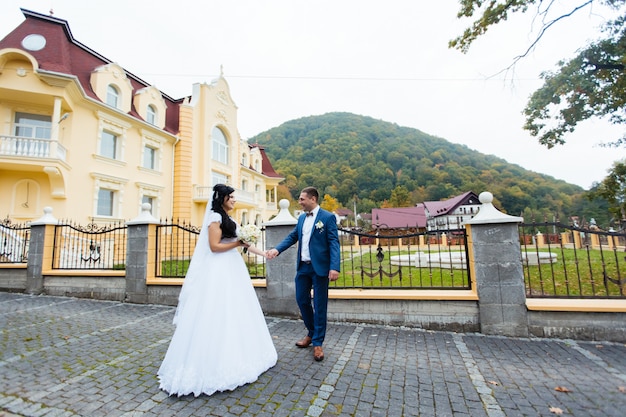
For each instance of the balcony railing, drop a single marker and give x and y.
(31, 148)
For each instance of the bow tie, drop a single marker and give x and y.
(309, 213)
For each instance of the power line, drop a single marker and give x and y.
(336, 78)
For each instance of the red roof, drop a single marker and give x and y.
(65, 55)
(344, 212)
(266, 166)
(441, 208)
(391, 218)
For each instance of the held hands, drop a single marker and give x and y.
(271, 254)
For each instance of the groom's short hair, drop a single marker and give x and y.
(311, 192)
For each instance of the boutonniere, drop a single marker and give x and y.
(319, 226)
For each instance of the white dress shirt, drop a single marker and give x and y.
(307, 227)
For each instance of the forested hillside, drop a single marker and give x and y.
(356, 157)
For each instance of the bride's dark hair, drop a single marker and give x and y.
(220, 193)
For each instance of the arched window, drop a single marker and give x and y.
(113, 95)
(151, 114)
(220, 146)
(244, 159)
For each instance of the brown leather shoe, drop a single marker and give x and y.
(304, 342)
(318, 353)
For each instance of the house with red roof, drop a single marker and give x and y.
(448, 214)
(452, 213)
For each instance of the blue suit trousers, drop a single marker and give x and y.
(313, 309)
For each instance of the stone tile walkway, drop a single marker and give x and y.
(77, 357)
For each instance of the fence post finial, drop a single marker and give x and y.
(47, 217)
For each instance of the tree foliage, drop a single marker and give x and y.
(592, 84)
(613, 190)
(329, 203)
(358, 158)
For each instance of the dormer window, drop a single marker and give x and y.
(113, 87)
(113, 96)
(151, 114)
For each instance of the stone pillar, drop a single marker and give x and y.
(140, 247)
(281, 271)
(495, 260)
(540, 239)
(611, 241)
(40, 251)
(595, 240)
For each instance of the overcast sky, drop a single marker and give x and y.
(287, 59)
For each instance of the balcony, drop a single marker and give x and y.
(21, 147)
(28, 154)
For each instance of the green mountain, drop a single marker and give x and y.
(350, 156)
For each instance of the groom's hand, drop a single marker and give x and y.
(271, 254)
(333, 275)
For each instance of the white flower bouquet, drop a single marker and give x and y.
(249, 234)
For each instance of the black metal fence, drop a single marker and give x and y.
(89, 247)
(14, 242)
(175, 246)
(565, 261)
(396, 259)
(559, 260)
(401, 259)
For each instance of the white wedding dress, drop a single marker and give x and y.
(221, 340)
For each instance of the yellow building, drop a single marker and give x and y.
(81, 134)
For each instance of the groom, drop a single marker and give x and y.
(317, 264)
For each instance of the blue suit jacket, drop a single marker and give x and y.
(323, 245)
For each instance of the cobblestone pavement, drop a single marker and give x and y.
(76, 357)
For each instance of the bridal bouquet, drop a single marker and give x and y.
(249, 234)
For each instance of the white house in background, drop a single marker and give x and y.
(452, 213)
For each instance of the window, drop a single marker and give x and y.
(33, 126)
(151, 114)
(149, 157)
(244, 218)
(218, 178)
(244, 185)
(105, 202)
(220, 146)
(108, 145)
(113, 96)
(256, 165)
(270, 196)
(244, 160)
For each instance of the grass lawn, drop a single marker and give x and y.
(577, 272)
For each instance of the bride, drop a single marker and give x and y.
(221, 340)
